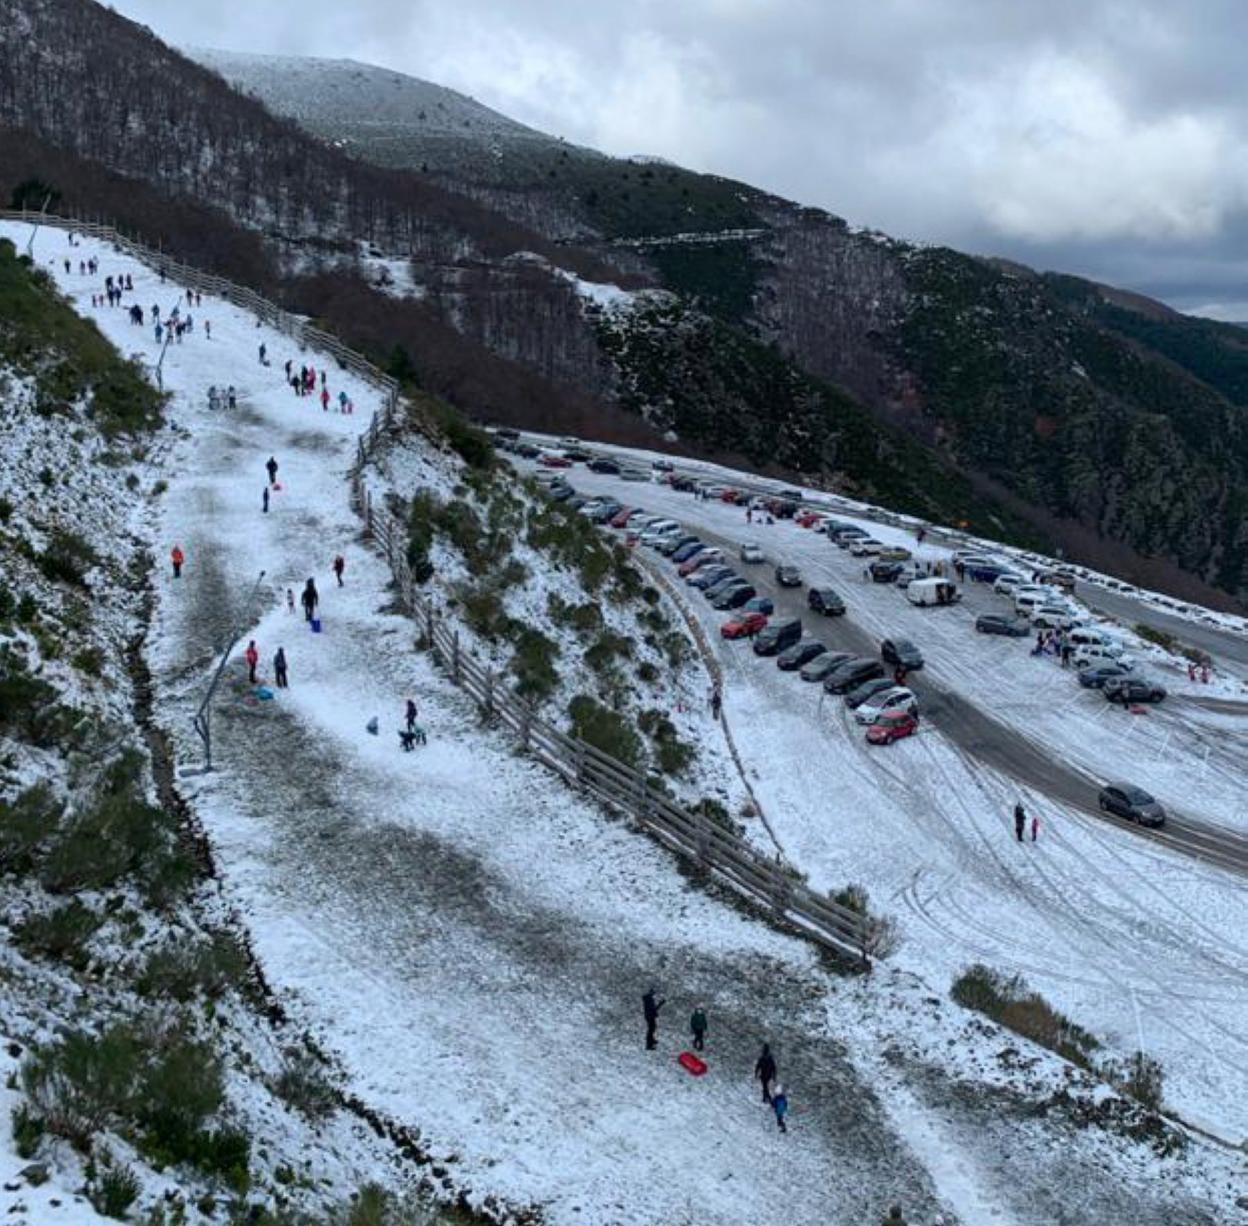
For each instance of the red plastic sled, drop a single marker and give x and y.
(694, 1064)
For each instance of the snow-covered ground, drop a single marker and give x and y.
(472, 939)
(1124, 937)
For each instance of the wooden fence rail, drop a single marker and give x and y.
(722, 853)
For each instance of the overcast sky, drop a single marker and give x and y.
(1106, 137)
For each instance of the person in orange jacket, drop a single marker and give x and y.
(252, 656)
(177, 557)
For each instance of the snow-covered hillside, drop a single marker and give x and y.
(471, 939)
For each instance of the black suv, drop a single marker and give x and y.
(851, 674)
(772, 639)
(901, 653)
(603, 466)
(788, 576)
(886, 572)
(995, 623)
(824, 600)
(1132, 689)
(1135, 804)
(792, 658)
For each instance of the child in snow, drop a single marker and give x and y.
(780, 1105)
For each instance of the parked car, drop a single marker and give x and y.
(577, 455)
(1049, 617)
(716, 590)
(792, 658)
(997, 623)
(894, 553)
(734, 597)
(745, 625)
(778, 637)
(603, 466)
(751, 553)
(661, 465)
(1135, 804)
(865, 547)
(703, 558)
(548, 459)
(622, 516)
(1004, 585)
(935, 592)
(1095, 676)
(788, 576)
(852, 674)
(895, 698)
(708, 576)
(892, 726)
(1063, 579)
(980, 571)
(819, 668)
(1127, 690)
(824, 600)
(885, 572)
(901, 653)
(678, 540)
(858, 694)
(528, 451)
(686, 551)
(807, 518)
(1101, 653)
(633, 474)
(761, 604)
(782, 508)
(561, 493)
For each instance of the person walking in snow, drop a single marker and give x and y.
(279, 669)
(650, 1009)
(231, 397)
(264, 500)
(697, 1024)
(159, 332)
(252, 656)
(263, 350)
(1035, 827)
(765, 1070)
(290, 600)
(340, 564)
(324, 400)
(310, 599)
(207, 329)
(410, 715)
(717, 701)
(780, 1105)
(1020, 821)
(271, 465)
(286, 368)
(177, 557)
(342, 402)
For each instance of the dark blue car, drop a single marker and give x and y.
(686, 551)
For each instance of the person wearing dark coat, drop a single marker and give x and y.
(279, 669)
(765, 1071)
(310, 599)
(264, 499)
(697, 1024)
(272, 467)
(1020, 821)
(410, 715)
(650, 1007)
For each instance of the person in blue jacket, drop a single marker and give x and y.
(780, 1105)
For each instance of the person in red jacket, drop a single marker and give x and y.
(177, 557)
(252, 656)
(325, 399)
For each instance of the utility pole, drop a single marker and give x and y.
(203, 716)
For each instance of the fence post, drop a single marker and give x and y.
(488, 707)
(781, 888)
(429, 623)
(368, 512)
(455, 657)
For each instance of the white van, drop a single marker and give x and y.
(1088, 636)
(1026, 603)
(925, 592)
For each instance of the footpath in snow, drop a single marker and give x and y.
(473, 940)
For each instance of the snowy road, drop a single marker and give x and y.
(473, 940)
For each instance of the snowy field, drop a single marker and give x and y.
(472, 939)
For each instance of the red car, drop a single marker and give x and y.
(685, 569)
(621, 518)
(554, 461)
(743, 626)
(892, 726)
(730, 495)
(808, 519)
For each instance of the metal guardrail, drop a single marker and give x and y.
(721, 853)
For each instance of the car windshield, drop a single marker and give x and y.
(1137, 796)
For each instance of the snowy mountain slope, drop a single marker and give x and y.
(472, 938)
(112, 920)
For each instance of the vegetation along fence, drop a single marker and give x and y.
(720, 852)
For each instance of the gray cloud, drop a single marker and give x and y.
(1100, 136)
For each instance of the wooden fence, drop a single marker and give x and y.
(721, 853)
